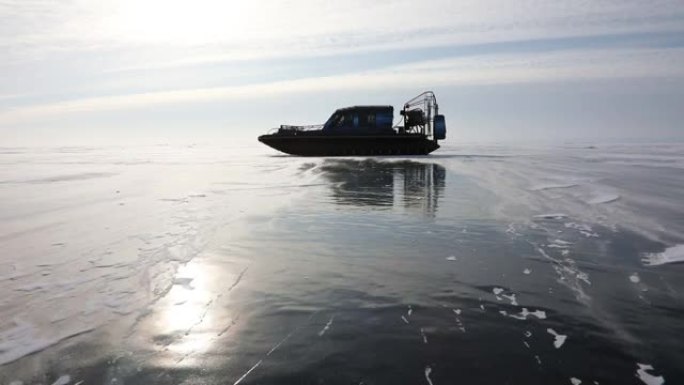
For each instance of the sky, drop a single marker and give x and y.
(163, 71)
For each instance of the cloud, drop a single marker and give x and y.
(508, 68)
(230, 30)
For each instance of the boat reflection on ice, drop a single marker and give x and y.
(402, 184)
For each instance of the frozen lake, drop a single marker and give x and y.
(226, 265)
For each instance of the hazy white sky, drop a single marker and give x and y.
(168, 70)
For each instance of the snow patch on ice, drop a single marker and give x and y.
(670, 255)
(646, 377)
(63, 380)
(583, 229)
(634, 278)
(569, 274)
(527, 271)
(451, 258)
(603, 198)
(428, 370)
(24, 339)
(458, 320)
(511, 298)
(551, 216)
(526, 313)
(550, 186)
(575, 381)
(559, 339)
(326, 327)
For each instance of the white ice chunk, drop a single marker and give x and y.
(634, 278)
(575, 381)
(451, 258)
(527, 271)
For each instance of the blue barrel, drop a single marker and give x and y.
(440, 127)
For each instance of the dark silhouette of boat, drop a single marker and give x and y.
(366, 130)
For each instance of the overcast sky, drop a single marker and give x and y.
(80, 71)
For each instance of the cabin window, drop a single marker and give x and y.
(371, 120)
(338, 121)
(356, 120)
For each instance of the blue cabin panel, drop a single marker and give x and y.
(440, 127)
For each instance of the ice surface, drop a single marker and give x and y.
(611, 186)
(646, 377)
(672, 254)
(74, 259)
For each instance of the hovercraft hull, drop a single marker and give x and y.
(363, 145)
